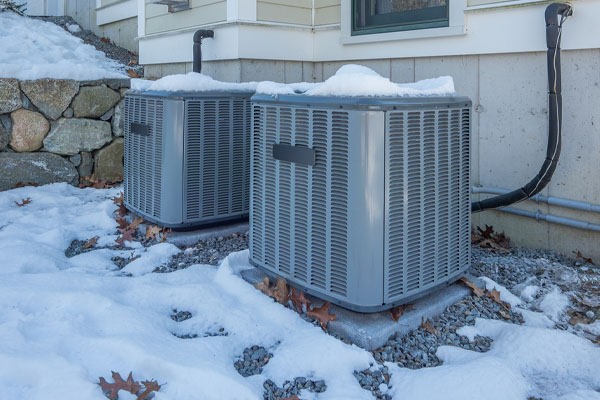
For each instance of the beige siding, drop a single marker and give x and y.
(159, 19)
(327, 12)
(285, 11)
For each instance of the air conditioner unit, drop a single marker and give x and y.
(361, 201)
(187, 156)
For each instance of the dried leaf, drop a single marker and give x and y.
(495, 296)
(489, 239)
(112, 389)
(149, 387)
(292, 398)
(132, 62)
(105, 39)
(264, 286)
(580, 256)
(23, 202)
(397, 312)
(118, 199)
(298, 300)
(322, 315)
(476, 289)
(152, 231)
(127, 236)
(428, 327)
(91, 242)
(487, 233)
(122, 222)
(164, 233)
(579, 318)
(135, 223)
(504, 314)
(21, 184)
(281, 291)
(132, 73)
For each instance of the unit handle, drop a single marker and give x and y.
(295, 154)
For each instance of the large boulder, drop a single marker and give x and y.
(108, 161)
(69, 136)
(40, 168)
(50, 96)
(117, 119)
(10, 95)
(94, 101)
(29, 129)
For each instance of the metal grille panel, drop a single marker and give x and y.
(428, 205)
(299, 213)
(217, 156)
(143, 156)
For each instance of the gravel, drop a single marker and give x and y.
(291, 388)
(112, 51)
(252, 361)
(210, 251)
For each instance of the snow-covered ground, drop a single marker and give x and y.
(34, 49)
(64, 322)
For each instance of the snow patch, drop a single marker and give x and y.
(73, 28)
(34, 49)
(529, 292)
(505, 294)
(191, 82)
(554, 303)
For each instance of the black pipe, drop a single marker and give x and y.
(198, 36)
(553, 36)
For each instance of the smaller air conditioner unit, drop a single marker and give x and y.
(187, 156)
(361, 201)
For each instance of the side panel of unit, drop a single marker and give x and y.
(217, 158)
(317, 226)
(153, 157)
(427, 228)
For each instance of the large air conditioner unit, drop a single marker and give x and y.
(187, 156)
(361, 201)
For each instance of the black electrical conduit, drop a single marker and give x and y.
(553, 35)
(198, 36)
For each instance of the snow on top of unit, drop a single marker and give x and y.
(359, 81)
(34, 49)
(191, 82)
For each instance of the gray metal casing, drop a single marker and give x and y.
(189, 163)
(383, 217)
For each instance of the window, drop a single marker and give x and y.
(375, 16)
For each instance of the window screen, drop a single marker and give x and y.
(374, 16)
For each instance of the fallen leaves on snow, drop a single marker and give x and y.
(111, 390)
(90, 243)
(322, 315)
(298, 300)
(23, 202)
(476, 289)
(152, 231)
(279, 291)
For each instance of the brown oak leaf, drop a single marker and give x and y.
(281, 291)
(23, 202)
(21, 184)
(397, 312)
(476, 289)
(135, 223)
(322, 315)
(495, 296)
(152, 231)
(298, 300)
(132, 73)
(164, 233)
(127, 236)
(122, 222)
(112, 389)
(487, 233)
(428, 327)
(91, 242)
(580, 256)
(149, 387)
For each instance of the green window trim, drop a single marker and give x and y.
(424, 18)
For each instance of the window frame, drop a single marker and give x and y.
(383, 24)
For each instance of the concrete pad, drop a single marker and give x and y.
(189, 238)
(371, 331)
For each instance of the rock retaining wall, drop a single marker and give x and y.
(54, 130)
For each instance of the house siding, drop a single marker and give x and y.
(285, 11)
(201, 12)
(327, 12)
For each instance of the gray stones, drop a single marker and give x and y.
(10, 96)
(28, 131)
(68, 113)
(41, 168)
(4, 136)
(50, 96)
(252, 361)
(86, 165)
(117, 119)
(107, 115)
(70, 136)
(291, 388)
(108, 161)
(94, 101)
(75, 160)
